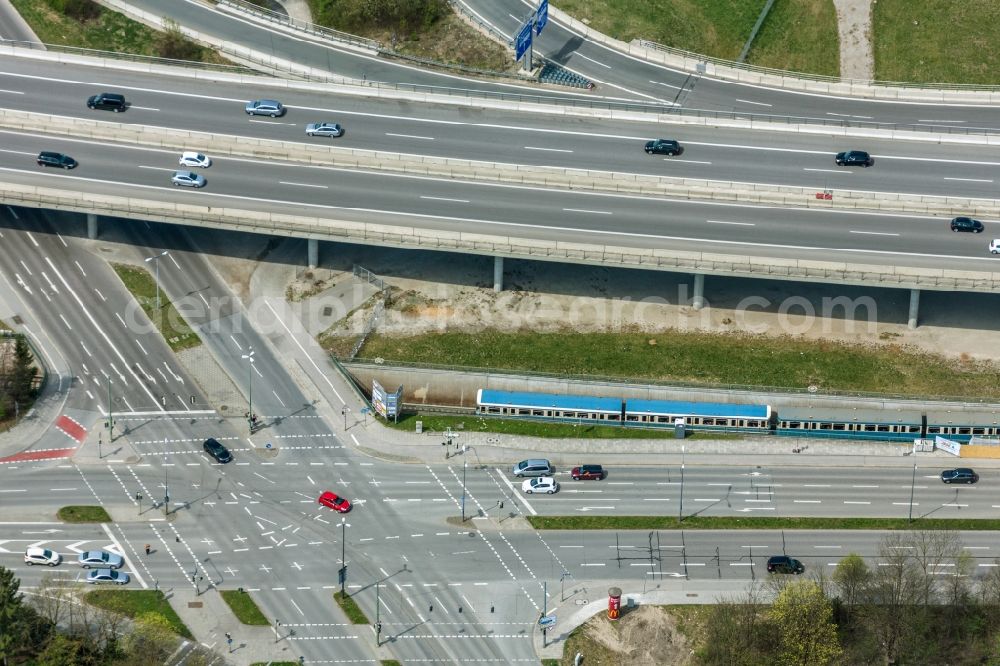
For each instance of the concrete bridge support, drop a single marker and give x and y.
(313, 252)
(92, 226)
(498, 274)
(914, 308)
(698, 297)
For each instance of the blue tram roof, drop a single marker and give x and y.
(698, 409)
(528, 400)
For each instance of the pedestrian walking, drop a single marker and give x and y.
(147, 549)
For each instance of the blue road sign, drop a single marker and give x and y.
(541, 16)
(546, 621)
(522, 41)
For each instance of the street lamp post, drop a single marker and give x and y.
(249, 358)
(155, 260)
(343, 555)
(166, 488)
(465, 466)
(111, 416)
(378, 623)
(680, 510)
(913, 482)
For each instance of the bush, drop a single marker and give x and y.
(175, 46)
(79, 10)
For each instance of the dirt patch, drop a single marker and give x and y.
(646, 635)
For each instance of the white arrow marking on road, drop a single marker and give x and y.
(4, 550)
(73, 546)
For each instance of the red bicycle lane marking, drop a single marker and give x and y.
(48, 454)
(72, 428)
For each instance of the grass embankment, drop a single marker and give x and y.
(525, 428)
(799, 36)
(351, 609)
(936, 41)
(91, 26)
(702, 358)
(732, 523)
(243, 607)
(134, 603)
(166, 319)
(83, 514)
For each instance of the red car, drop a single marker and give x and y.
(335, 502)
(587, 472)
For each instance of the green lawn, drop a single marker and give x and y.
(134, 603)
(701, 358)
(351, 609)
(755, 523)
(799, 36)
(83, 514)
(525, 428)
(109, 31)
(937, 41)
(718, 28)
(243, 607)
(167, 320)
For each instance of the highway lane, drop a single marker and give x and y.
(628, 75)
(525, 211)
(737, 155)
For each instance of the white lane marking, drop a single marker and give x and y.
(592, 212)
(269, 122)
(503, 478)
(445, 199)
(939, 121)
(679, 161)
(321, 187)
(12, 92)
(411, 136)
(143, 108)
(550, 150)
(971, 180)
(806, 501)
(142, 166)
(746, 101)
(850, 502)
(124, 554)
(303, 350)
(874, 233)
(661, 83)
(577, 54)
(840, 171)
(739, 224)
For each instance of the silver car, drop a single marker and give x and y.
(188, 179)
(324, 129)
(265, 107)
(107, 576)
(99, 558)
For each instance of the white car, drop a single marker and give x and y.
(324, 129)
(541, 484)
(189, 158)
(188, 179)
(35, 555)
(995, 245)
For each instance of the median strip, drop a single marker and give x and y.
(756, 523)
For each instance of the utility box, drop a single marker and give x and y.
(420, 427)
(680, 430)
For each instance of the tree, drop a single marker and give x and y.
(852, 577)
(11, 613)
(802, 617)
(737, 632)
(152, 641)
(22, 385)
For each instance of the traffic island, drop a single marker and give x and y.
(351, 609)
(243, 607)
(83, 514)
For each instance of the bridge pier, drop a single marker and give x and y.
(92, 226)
(313, 252)
(698, 297)
(498, 274)
(914, 308)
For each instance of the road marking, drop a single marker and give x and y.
(577, 54)
(746, 101)
(806, 502)
(509, 485)
(736, 224)
(840, 171)
(680, 161)
(971, 180)
(285, 182)
(940, 121)
(592, 212)
(852, 502)
(445, 199)
(550, 150)
(411, 136)
(872, 233)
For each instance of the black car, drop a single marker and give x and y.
(50, 159)
(784, 565)
(960, 475)
(106, 100)
(966, 224)
(663, 147)
(855, 158)
(217, 451)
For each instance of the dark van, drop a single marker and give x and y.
(106, 100)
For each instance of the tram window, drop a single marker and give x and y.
(840, 426)
(825, 426)
(871, 427)
(965, 430)
(979, 431)
(743, 423)
(883, 428)
(794, 424)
